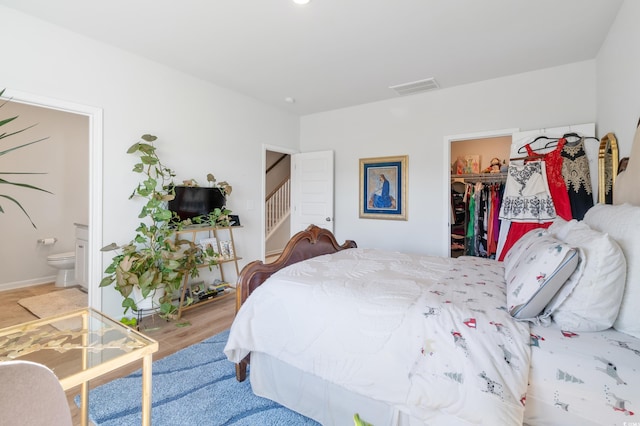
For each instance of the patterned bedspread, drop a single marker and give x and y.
(428, 335)
(585, 378)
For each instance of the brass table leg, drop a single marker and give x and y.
(146, 390)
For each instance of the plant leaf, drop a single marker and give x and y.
(21, 208)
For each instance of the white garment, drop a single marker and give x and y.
(526, 194)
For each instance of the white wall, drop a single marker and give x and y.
(417, 125)
(618, 67)
(63, 156)
(201, 128)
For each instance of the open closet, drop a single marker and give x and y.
(543, 174)
(478, 174)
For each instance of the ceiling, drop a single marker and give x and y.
(337, 53)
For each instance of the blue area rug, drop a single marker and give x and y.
(195, 386)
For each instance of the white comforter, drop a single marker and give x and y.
(428, 335)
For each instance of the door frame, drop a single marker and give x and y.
(263, 190)
(446, 245)
(95, 116)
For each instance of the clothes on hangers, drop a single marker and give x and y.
(577, 176)
(526, 195)
(527, 203)
(557, 187)
(493, 230)
(578, 137)
(551, 142)
(483, 226)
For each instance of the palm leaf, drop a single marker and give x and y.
(19, 205)
(6, 151)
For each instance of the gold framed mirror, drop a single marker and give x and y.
(607, 167)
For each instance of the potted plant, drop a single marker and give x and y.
(6, 151)
(153, 263)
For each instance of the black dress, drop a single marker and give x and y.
(575, 171)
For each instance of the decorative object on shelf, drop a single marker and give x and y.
(383, 188)
(154, 260)
(226, 249)
(471, 163)
(210, 247)
(494, 166)
(220, 238)
(234, 220)
(6, 151)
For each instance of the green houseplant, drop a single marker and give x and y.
(154, 262)
(4, 135)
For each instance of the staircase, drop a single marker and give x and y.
(277, 207)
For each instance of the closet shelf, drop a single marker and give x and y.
(480, 177)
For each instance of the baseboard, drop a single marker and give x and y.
(27, 283)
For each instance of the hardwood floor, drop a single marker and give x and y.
(205, 321)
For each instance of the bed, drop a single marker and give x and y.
(331, 329)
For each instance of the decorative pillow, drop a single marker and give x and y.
(520, 247)
(538, 275)
(622, 223)
(594, 303)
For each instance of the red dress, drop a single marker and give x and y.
(557, 185)
(557, 189)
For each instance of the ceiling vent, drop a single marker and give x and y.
(415, 87)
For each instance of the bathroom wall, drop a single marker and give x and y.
(63, 156)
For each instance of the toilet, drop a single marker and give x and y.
(65, 264)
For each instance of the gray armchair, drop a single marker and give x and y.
(31, 395)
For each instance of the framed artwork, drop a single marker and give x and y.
(226, 249)
(210, 247)
(471, 164)
(383, 188)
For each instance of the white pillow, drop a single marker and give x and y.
(594, 303)
(560, 228)
(622, 223)
(518, 249)
(537, 277)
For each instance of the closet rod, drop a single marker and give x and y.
(483, 177)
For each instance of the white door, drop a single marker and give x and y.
(312, 190)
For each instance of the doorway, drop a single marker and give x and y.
(469, 155)
(277, 201)
(95, 143)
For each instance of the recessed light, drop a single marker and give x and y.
(301, 2)
(290, 100)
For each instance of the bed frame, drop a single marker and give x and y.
(313, 241)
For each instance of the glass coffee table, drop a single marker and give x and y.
(80, 346)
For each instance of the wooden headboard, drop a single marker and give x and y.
(313, 241)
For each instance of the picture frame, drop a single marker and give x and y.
(234, 220)
(383, 187)
(471, 164)
(226, 249)
(210, 243)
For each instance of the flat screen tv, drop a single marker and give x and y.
(192, 201)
